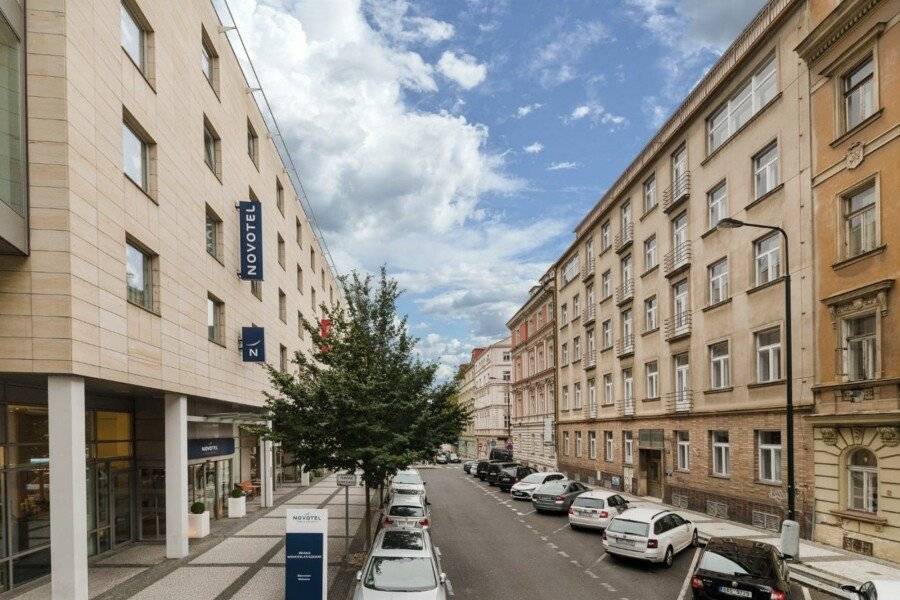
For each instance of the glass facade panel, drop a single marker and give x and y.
(31, 566)
(12, 150)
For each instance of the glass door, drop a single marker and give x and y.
(153, 503)
(209, 488)
(121, 507)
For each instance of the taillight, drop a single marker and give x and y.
(652, 544)
(603, 535)
(560, 498)
(424, 522)
(388, 521)
(778, 595)
(696, 583)
(603, 514)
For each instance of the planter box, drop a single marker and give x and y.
(237, 507)
(198, 525)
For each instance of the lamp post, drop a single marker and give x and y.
(728, 223)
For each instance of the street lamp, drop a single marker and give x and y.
(729, 223)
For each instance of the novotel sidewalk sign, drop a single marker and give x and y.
(251, 239)
(306, 554)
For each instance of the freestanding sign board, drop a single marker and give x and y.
(250, 222)
(306, 554)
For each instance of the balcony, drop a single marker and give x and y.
(678, 192)
(590, 359)
(625, 407)
(592, 410)
(590, 313)
(625, 292)
(681, 401)
(678, 326)
(587, 271)
(624, 238)
(677, 259)
(625, 346)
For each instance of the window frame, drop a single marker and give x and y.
(210, 135)
(648, 189)
(628, 447)
(683, 451)
(717, 282)
(253, 144)
(872, 78)
(137, 18)
(211, 55)
(217, 242)
(769, 350)
(766, 457)
(719, 365)
(609, 389)
(771, 168)
(216, 332)
(752, 84)
(847, 340)
(651, 379)
(592, 445)
(716, 464)
(844, 216)
(608, 446)
(651, 309)
(717, 197)
(147, 300)
(869, 475)
(651, 254)
(757, 255)
(148, 146)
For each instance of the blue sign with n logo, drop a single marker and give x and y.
(253, 344)
(250, 221)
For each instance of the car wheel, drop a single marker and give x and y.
(694, 539)
(573, 526)
(669, 557)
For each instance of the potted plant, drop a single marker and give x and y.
(237, 503)
(198, 521)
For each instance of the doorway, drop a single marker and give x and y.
(153, 503)
(651, 472)
(110, 510)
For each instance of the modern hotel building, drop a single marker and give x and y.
(130, 132)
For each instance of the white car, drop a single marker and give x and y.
(880, 589)
(649, 534)
(523, 489)
(403, 563)
(408, 482)
(595, 509)
(406, 510)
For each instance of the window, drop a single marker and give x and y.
(625, 217)
(592, 444)
(650, 314)
(282, 357)
(862, 481)
(566, 443)
(651, 377)
(717, 204)
(680, 305)
(298, 232)
(859, 221)
(718, 281)
(576, 348)
(649, 193)
(768, 258)
(209, 60)
(765, 170)
(299, 325)
(719, 368)
(628, 386)
(312, 300)
(282, 306)
(564, 353)
(507, 356)
(570, 270)
(564, 313)
(299, 279)
(769, 448)
(608, 389)
(577, 443)
(139, 276)
(605, 239)
(507, 375)
(679, 173)
(606, 285)
(576, 307)
(859, 341)
(626, 270)
(215, 320)
(750, 97)
(213, 234)
(627, 447)
(279, 203)
(650, 259)
(721, 454)
(768, 355)
(135, 156)
(12, 126)
(133, 37)
(211, 148)
(576, 393)
(683, 445)
(312, 260)
(592, 394)
(252, 142)
(564, 400)
(608, 446)
(627, 329)
(606, 334)
(859, 93)
(281, 251)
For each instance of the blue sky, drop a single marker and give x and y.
(460, 141)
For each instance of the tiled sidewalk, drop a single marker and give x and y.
(242, 558)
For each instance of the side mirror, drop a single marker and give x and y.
(359, 575)
(443, 578)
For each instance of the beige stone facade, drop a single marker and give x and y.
(852, 53)
(533, 406)
(466, 444)
(670, 329)
(491, 372)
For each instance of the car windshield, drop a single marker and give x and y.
(400, 574)
(626, 526)
(554, 487)
(732, 561)
(510, 471)
(407, 511)
(583, 502)
(534, 478)
(403, 539)
(408, 479)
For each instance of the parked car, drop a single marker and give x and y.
(511, 476)
(441, 458)
(556, 496)
(595, 508)
(469, 465)
(452, 457)
(732, 568)
(482, 467)
(523, 489)
(405, 511)
(879, 589)
(408, 482)
(501, 455)
(649, 534)
(494, 470)
(403, 563)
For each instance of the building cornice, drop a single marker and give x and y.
(832, 28)
(546, 288)
(548, 373)
(549, 325)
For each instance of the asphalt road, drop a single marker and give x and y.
(495, 547)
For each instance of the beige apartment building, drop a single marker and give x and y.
(465, 447)
(533, 410)
(491, 372)
(671, 329)
(131, 133)
(852, 52)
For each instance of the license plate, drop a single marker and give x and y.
(736, 592)
(624, 542)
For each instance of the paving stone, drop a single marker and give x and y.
(196, 583)
(269, 527)
(100, 580)
(236, 550)
(138, 554)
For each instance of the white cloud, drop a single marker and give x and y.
(557, 61)
(524, 111)
(580, 112)
(534, 148)
(464, 69)
(392, 20)
(562, 166)
(656, 112)
(596, 114)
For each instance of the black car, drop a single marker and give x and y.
(469, 465)
(480, 469)
(512, 475)
(494, 470)
(731, 568)
(501, 455)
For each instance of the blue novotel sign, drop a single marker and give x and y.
(306, 554)
(250, 222)
(209, 447)
(253, 344)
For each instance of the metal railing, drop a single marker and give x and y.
(677, 257)
(588, 269)
(679, 191)
(679, 401)
(625, 292)
(625, 345)
(590, 359)
(625, 407)
(590, 312)
(679, 324)
(624, 237)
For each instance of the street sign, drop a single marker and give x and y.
(306, 554)
(250, 221)
(346, 479)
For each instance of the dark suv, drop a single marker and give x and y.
(501, 454)
(512, 475)
(736, 568)
(494, 470)
(480, 470)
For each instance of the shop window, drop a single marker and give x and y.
(862, 481)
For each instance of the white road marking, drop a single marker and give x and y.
(591, 574)
(552, 545)
(560, 529)
(806, 595)
(690, 572)
(563, 554)
(600, 559)
(608, 587)
(544, 538)
(529, 513)
(528, 526)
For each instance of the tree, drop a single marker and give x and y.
(362, 398)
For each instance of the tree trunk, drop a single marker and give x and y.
(381, 494)
(368, 519)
